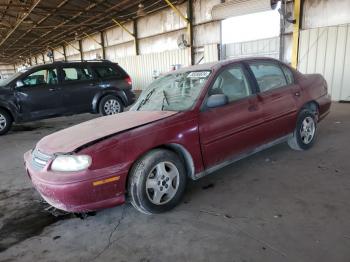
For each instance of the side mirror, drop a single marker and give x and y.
(217, 100)
(19, 83)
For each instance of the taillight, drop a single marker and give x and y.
(128, 80)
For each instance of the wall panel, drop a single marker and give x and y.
(91, 43)
(6, 70)
(327, 51)
(141, 68)
(322, 13)
(72, 48)
(94, 54)
(117, 35)
(58, 54)
(211, 53)
(268, 47)
(163, 21)
(121, 50)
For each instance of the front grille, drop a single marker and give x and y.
(39, 159)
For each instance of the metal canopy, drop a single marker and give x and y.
(28, 27)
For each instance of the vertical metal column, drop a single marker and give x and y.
(103, 45)
(296, 31)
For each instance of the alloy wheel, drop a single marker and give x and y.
(112, 107)
(3, 122)
(162, 183)
(307, 130)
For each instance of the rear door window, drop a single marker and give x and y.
(106, 72)
(289, 75)
(76, 74)
(268, 75)
(41, 77)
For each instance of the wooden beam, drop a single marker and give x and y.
(19, 22)
(64, 33)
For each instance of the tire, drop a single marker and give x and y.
(5, 122)
(157, 182)
(305, 132)
(110, 105)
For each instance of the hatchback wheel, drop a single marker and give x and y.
(157, 182)
(110, 105)
(305, 131)
(5, 122)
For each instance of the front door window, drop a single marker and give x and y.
(41, 77)
(233, 83)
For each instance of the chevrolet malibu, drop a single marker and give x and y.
(186, 124)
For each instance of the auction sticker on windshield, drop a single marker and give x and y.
(199, 74)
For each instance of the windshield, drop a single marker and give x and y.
(5, 82)
(173, 92)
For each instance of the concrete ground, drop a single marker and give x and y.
(278, 205)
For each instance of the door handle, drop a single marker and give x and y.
(297, 94)
(52, 89)
(252, 108)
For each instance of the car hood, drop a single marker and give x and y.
(68, 140)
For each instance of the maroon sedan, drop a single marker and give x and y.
(187, 124)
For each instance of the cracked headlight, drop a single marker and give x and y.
(68, 163)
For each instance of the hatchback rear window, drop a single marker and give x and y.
(107, 72)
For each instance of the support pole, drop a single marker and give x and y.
(81, 50)
(190, 28)
(103, 45)
(188, 21)
(296, 31)
(64, 52)
(136, 42)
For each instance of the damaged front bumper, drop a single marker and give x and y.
(82, 191)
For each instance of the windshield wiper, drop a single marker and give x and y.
(145, 100)
(165, 99)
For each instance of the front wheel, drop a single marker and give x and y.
(5, 122)
(110, 105)
(157, 182)
(305, 132)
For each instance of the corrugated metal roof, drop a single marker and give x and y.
(28, 27)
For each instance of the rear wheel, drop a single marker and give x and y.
(110, 105)
(5, 122)
(157, 182)
(305, 132)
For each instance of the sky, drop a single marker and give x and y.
(251, 27)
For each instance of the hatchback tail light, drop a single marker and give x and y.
(128, 80)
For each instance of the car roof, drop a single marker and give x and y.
(74, 62)
(216, 65)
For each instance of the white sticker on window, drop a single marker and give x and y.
(198, 74)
